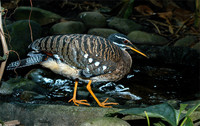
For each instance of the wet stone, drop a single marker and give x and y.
(31, 95)
(20, 84)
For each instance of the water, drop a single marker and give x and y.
(143, 85)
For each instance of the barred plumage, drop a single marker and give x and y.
(84, 57)
(34, 59)
(72, 48)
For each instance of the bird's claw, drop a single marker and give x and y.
(77, 102)
(103, 104)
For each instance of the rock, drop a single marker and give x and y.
(105, 121)
(104, 32)
(41, 16)
(30, 95)
(92, 19)
(12, 85)
(69, 27)
(197, 47)
(37, 75)
(19, 32)
(52, 115)
(124, 25)
(186, 41)
(7, 22)
(177, 56)
(6, 89)
(147, 38)
(63, 115)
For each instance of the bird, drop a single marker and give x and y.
(82, 57)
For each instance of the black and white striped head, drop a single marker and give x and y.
(123, 42)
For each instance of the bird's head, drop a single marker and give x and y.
(123, 42)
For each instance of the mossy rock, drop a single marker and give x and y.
(105, 121)
(187, 41)
(141, 37)
(125, 26)
(8, 87)
(20, 36)
(104, 32)
(92, 19)
(197, 47)
(69, 27)
(41, 16)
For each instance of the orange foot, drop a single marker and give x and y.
(77, 102)
(103, 104)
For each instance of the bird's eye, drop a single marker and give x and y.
(126, 41)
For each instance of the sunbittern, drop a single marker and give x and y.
(82, 57)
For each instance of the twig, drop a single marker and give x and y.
(155, 26)
(187, 20)
(4, 44)
(30, 21)
(18, 60)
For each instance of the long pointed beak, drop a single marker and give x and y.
(136, 50)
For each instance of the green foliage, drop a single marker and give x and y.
(148, 121)
(166, 113)
(126, 9)
(2, 123)
(3, 58)
(129, 9)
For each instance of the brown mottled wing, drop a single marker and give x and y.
(94, 55)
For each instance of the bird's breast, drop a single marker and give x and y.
(61, 68)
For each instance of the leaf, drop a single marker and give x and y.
(144, 10)
(159, 124)
(157, 3)
(164, 111)
(182, 15)
(188, 122)
(129, 9)
(189, 112)
(182, 107)
(11, 4)
(165, 15)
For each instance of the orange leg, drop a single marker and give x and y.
(101, 104)
(77, 102)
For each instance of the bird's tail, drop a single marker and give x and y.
(32, 60)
